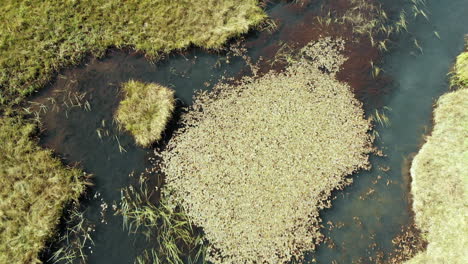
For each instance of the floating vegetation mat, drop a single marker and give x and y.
(255, 161)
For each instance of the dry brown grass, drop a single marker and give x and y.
(254, 161)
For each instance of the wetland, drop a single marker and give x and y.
(360, 222)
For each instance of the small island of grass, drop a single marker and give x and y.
(145, 110)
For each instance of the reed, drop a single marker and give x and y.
(145, 110)
(439, 176)
(439, 183)
(380, 117)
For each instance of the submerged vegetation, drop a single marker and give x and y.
(145, 110)
(440, 179)
(254, 162)
(38, 38)
(167, 227)
(34, 189)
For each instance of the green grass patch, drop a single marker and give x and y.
(37, 38)
(145, 110)
(459, 74)
(34, 189)
(440, 183)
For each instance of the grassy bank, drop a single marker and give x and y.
(440, 180)
(37, 38)
(254, 161)
(34, 189)
(145, 110)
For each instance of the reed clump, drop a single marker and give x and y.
(38, 38)
(145, 110)
(34, 188)
(254, 162)
(166, 226)
(440, 178)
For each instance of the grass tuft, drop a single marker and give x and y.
(459, 75)
(145, 110)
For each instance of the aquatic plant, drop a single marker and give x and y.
(37, 38)
(164, 224)
(254, 162)
(380, 117)
(34, 188)
(439, 183)
(145, 110)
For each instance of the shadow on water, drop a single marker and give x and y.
(365, 217)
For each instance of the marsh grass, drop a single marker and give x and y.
(35, 187)
(459, 74)
(69, 247)
(380, 117)
(439, 182)
(145, 110)
(167, 228)
(38, 38)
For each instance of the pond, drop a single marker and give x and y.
(364, 218)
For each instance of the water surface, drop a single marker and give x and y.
(366, 216)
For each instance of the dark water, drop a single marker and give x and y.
(87, 134)
(367, 215)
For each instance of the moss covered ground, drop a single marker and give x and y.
(440, 179)
(145, 110)
(34, 189)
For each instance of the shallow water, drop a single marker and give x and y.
(371, 212)
(419, 79)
